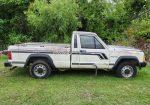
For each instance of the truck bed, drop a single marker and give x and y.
(41, 47)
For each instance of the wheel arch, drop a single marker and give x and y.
(34, 57)
(126, 58)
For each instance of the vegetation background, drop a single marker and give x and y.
(121, 22)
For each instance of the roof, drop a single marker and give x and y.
(83, 32)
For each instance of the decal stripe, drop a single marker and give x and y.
(104, 56)
(47, 52)
(100, 55)
(82, 63)
(111, 64)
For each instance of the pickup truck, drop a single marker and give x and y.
(87, 51)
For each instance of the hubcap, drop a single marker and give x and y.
(40, 70)
(127, 71)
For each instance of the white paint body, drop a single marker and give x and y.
(21, 52)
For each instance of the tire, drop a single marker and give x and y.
(126, 70)
(40, 69)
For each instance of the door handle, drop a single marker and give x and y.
(82, 51)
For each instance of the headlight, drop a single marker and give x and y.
(143, 58)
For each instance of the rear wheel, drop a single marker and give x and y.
(126, 70)
(40, 69)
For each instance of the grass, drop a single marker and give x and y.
(73, 88)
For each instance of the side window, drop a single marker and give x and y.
(87, 42)
(75, 41)
(90, 42)
(98, 45)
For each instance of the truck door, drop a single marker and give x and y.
(92, 52)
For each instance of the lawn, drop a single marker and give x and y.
(73, 88)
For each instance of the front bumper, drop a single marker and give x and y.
(7, 64)
(142, 64)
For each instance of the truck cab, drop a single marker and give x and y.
(88, 50)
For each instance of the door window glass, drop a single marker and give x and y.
(90, 42)
(98, 45)
(87, 42)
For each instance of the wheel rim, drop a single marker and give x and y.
(127, 71)
(40, 70)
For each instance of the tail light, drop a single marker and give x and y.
(9, 55)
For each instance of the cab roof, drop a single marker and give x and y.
(83, 32)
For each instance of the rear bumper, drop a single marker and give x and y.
(142, 64)
(7, 64)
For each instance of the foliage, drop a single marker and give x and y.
(18, 38)
(55, 21)
(90, 14)
(141, 28)
(115, 20)
(12, 19)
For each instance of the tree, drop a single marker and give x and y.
(53, 20)
(90, 13)
(139, 16)
(12, 20)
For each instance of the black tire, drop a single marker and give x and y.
(40, 69)
(126, 70)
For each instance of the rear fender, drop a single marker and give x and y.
(40, 56)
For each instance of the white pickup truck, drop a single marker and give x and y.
(87, 51)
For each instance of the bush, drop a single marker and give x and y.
(15, 38)
(53, 21)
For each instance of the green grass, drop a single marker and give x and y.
(73, 88)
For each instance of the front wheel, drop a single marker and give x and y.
(40, 69)
(126, 70)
